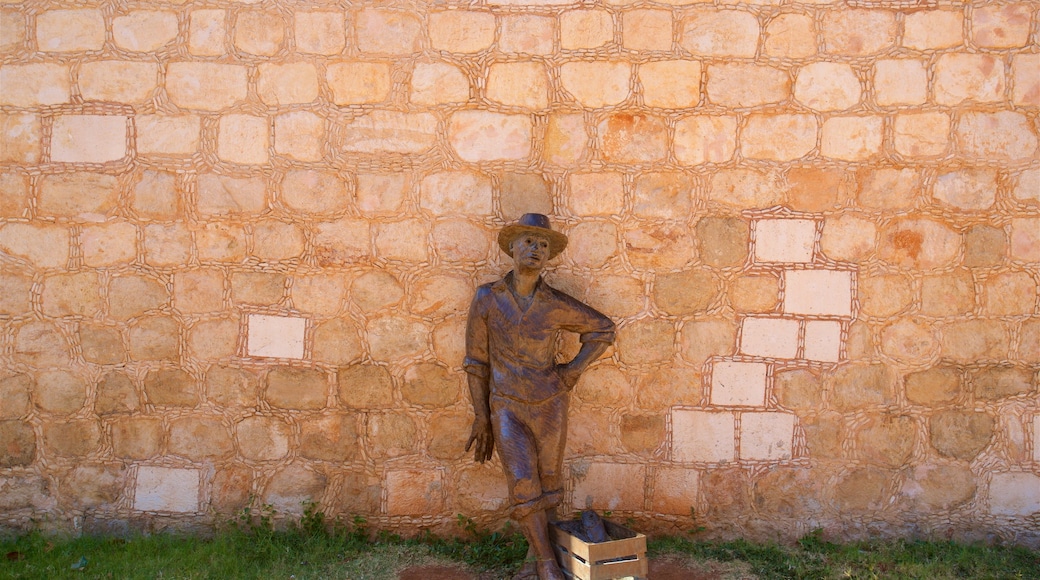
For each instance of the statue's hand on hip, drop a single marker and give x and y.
(568, 375)
(482, 439)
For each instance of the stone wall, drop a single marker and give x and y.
(239, 240)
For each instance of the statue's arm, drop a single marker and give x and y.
(590, 351)
(597, 334)
(478, 373)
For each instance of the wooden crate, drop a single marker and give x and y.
(623, 557)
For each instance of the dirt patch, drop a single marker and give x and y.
(674, 567)
(436, 572)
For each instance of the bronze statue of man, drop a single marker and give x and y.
(519, 390)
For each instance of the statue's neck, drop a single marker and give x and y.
(525, 281)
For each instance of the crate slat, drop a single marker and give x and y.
(585, 561)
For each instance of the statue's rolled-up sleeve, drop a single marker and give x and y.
(476, 361)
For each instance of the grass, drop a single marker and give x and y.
(315, 549)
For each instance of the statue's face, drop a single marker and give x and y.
(530, 251)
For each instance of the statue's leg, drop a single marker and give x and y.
(536, 528)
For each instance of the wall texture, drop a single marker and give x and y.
(238, 242)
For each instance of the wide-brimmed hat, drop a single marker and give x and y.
(532, 223)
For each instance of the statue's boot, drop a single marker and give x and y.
(529, 571)
(536, 528)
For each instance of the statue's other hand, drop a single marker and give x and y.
(568, 375)
(482, 439)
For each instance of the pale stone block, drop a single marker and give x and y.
(12, 31)
(40, 344)
(1027, 189)
(310, 191)
(393, 338)
(78, 194)
(922, 134)
(167, 489)
(59, 392)
(969, 189)
(886, 295)
(461, 30)
(341, 242)
(88, 138)
(130, 296)
(323, 294)
(337, 342)
(585, 29)
(438, 83)
(22, 138)
(823, 292)
(671, 84)
(858, 32)
(275, 240)
(598, 83)
(594, 244)
(263, 438)
(153, 338)
(109, 244)
(414, 492)
(144, 30)
(223, 195)
(526, 34)
(382, 31)
(207, 32)
(627, 138)
(275, 336)
(767, 337)
(70, 30)
(261, 288)
(260, 33)
(243, 139)
(1025, 239)
(962, 77)
(286, 84)
(566, 139)
(827, 86)
(1014, 494)
(646, 340)
(662, 195)
(1005, 135)
(703, 436)
(790, 36)
(720, 33)
(900, 82)
(486, 136)
(520, 193)
(933, 29)
(320, 32)
(167, 244)
(747, 85)
(646, 29)
(31, 85)
(14, 194)
(851, 138)
(200, 438)
(823, 340)
(971, 341)
(198, 291)
(76, 294)
(402, 240)
(460, 241)
(299, 135)
(754, 293)
(1036, 437)
(118, 81)
(600, 193)
(745, 188)
(675, 490)
(391, 132)
(168, 135)
(456, 192)
(778, 137)
(888, 188)
(784, 240)
(379, 193)
(15, 296)
(207, 86)
(609, 486)
(766, 436)
(1002, 25)
(740, 383)
(1026, 80)
(518, 84)
(1009, 294)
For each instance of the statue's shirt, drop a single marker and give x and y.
(516, 347)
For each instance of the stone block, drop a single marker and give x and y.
(60, 392)
(739, 383)
(438, 296)
(336, 243)
(600, 193)
(828, 86)
(886, 440)
(396, 240)
(919, 243)
(910, 340)
(462, 31)
(286, 84)
(662, 195)
(92, 486)
(791, 35)
(865, 489)
(296, 388)
(643, 434)
(360, 493)
(823, 340)
(22, 138)
(18, 444)
(275, 240)
(609, 486)
(261, 288)
(703, 436)
(1003, 135)
(940, 487)
(857, 32)
(1027, 188)
(992, 383)
(1009, 294)
(922, 134)
(933, 29)
(900, 82)
(14, 191)
(12, 31)
(167, 134)
(299, 135)
(675, 490)
(70, 30)
(200, 438)
(622, 296)
(101, 345)
(968, 78)
(375, 290)
(231, 387)
(747, 85)
(822, 292)
(518, 84)
(481, 489)
(275, 336)
(291, 489)
(1025, 239)
(586, 434)
(259, 33)
(1014, 494)
(14, 395)
(154, 338)
(851, 138)
(460, 241)
(88, 138)
(855, 386)
(722, 33)
(449, 341)
(778, 137)
(960, 434)
(15, 293)
(1001, 26)
(207, 32)
(388, 32)
(136, 437)
(581, 28)
(456, 192)
(848, 238)
(659, 389)
(329, 437)
(144, 30)
(526, 34)
(116, 394)
(597, 83)
(320, 32)
(754, 293)
(521, 193)
(379, 193)
(337, 341)
(933, 386)
(1025, 82)
(415, 492)
(263, 438)
(393, 338)
(888, 188)
(565, 139)
(970, 341)
(198, 291)
(486, 136)
(40, 344)
(73, 294)
(628, 138)
(684, 293)
(118, 81)
(36, 84)
(729, 488)
(784, 240)
(171, 387)
(724, 240)
(766, 337)
(391, 435)
(243, 139)
(439, 83)
(206, 86)
(72, 438)
(154, 195)
(705, 139)
(109, 244)
(798, 389)
(365, 386)
(449, 432)
(230, 488)
(646, 29)
(884, 296)
(167, 489)
(390, 132)
(646, 341)
(766, 436)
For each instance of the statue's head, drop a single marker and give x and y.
(532, 231)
